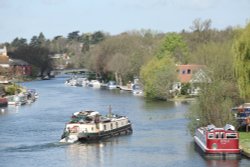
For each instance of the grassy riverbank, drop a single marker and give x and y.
(245, 143)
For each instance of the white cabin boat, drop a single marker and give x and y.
(87, 126)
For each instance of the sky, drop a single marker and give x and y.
(26, 18)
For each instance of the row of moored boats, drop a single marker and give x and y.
(134, 87)
(26, 97)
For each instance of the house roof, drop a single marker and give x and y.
(186, 72)
(19, 62)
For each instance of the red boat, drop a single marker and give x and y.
(218, 141)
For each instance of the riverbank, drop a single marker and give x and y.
(183, 98)
(245, 143)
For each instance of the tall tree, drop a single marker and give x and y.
(74, 36)
(242, 62)
(36, 56)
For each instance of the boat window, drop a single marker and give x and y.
(92, 128)
(217, 135)
(231, 135)
(210, 135)
(111, 126)
(104, 127)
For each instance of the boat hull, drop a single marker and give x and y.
(219, 153)
(88, 137)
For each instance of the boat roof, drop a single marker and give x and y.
(212, 127)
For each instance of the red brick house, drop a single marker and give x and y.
(190, 73)
(20, 68)
(187, 71)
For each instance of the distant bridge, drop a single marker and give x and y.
(82, 71)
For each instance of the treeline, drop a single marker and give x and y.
(152, 56)
(37, 52)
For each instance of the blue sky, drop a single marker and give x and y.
(26, 18)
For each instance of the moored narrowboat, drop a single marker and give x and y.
(218, 141)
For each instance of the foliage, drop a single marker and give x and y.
(217, 97)
(121, 55)
(157, 77)
(37, 56)
(12, 89)
(173, 43)
(242, 62)
(184, 88)
(213, 106)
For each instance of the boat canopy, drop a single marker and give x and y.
(211, 127)
(229, 127)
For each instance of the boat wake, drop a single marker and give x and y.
(32, 148)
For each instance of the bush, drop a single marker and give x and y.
(12, 89)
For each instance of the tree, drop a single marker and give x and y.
(38, 41)
(242, 62)
(213, 106)
(173, 43)
(121, 55)
(74, 36)
(158, 76)
(217, 97)
(97, 37)
(36, 56)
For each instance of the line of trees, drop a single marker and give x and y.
(37, 52)
(152, 57)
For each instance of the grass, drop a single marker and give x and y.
(245, 141)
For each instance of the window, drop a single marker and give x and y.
(111, 126)
(104, 127)
(231, 135)
(210, 135)
(189, 71)
(183, 71)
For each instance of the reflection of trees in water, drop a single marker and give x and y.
(91, 154)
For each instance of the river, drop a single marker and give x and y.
(30, 134)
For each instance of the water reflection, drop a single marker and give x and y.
(90, 154)
(9, 110)
(215, 161)
(222, 163)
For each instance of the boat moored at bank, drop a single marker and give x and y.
(218, 141)
(87, 126)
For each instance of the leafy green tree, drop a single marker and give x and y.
(173, 43)
(158, 76)
(242, 62)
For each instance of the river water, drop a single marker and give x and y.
(30, 134)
